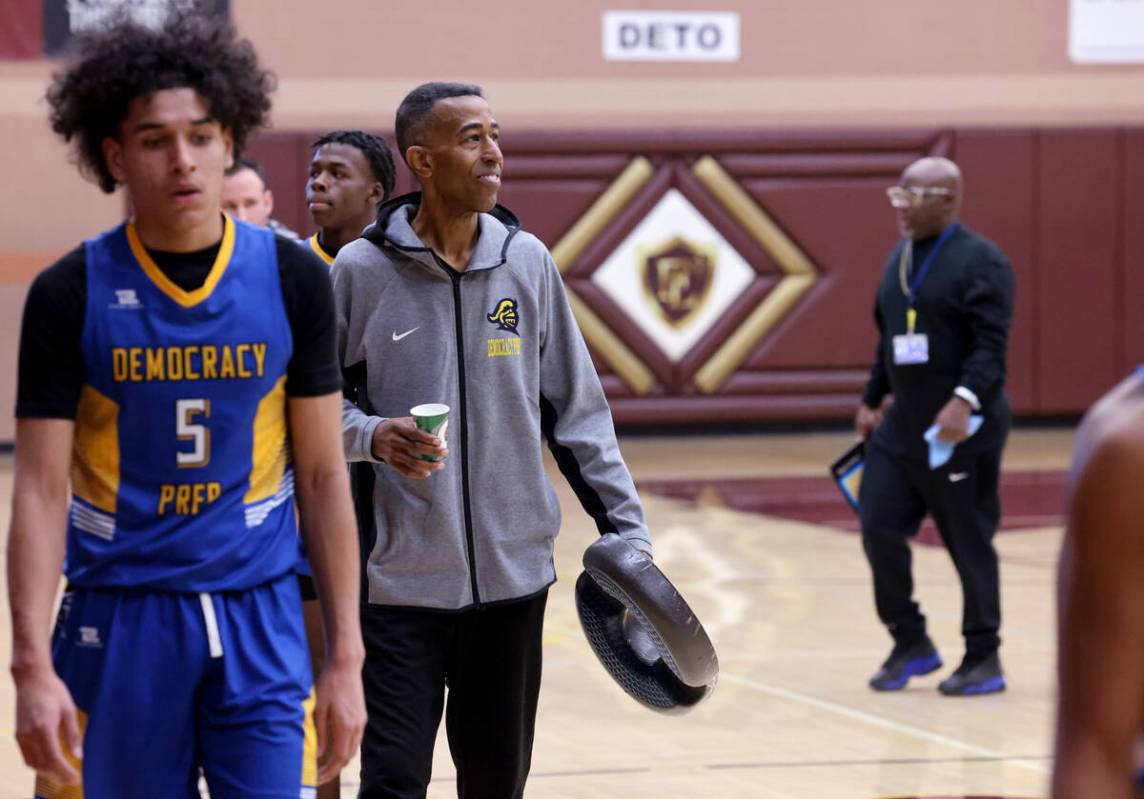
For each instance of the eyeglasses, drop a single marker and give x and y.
(909, 196)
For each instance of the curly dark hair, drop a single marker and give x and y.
(375, 150)
(409, 127)
(126, 60)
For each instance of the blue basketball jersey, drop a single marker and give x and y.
(181, 471)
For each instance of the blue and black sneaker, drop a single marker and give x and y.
(977, 674)
(905, 661)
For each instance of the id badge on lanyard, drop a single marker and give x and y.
(913, 348)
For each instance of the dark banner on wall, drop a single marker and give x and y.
(63, 19)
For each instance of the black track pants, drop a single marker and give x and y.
(489, 658)
(962, 496)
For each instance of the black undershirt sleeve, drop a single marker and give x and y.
(50, 367)
(51, 372)
(309, 298)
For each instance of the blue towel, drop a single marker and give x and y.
(941, 451)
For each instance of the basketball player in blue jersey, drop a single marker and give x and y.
(180, 370)
(1100, 595)
(351, 174)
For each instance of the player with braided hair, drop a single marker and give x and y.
(351, 174)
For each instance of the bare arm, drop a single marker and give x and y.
(36, 545)
(330, 532)
(1100, 600)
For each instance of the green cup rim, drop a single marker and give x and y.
(429, 409)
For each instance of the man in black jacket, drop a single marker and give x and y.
(943, 311)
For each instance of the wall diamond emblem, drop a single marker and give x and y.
(674, 275)
(651, 337)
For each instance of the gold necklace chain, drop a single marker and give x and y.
(905, 262)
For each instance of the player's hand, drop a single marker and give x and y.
(400, 443)
(866, 419)
(953, 421)
(47, 727)
(339, 716)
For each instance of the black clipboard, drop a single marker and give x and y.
(847, 472)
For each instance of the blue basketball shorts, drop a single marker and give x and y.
(172, 685)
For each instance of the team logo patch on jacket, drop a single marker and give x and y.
(504, 316)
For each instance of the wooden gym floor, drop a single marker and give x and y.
(753, 535)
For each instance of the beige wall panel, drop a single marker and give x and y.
(1074, 98)
(869, 101)
(11, 306)
(453, 39)
(813, 63)
(48, 207)
(818, 62)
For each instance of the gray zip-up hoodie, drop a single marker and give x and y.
(498, 344)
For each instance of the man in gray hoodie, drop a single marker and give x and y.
(445, 299)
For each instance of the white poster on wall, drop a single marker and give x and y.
(671, 36)
(65, 19)
(1106, 31)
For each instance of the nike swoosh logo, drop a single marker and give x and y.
(957, 477)
(397, 337)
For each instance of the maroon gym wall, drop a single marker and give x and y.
(1060, 202)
